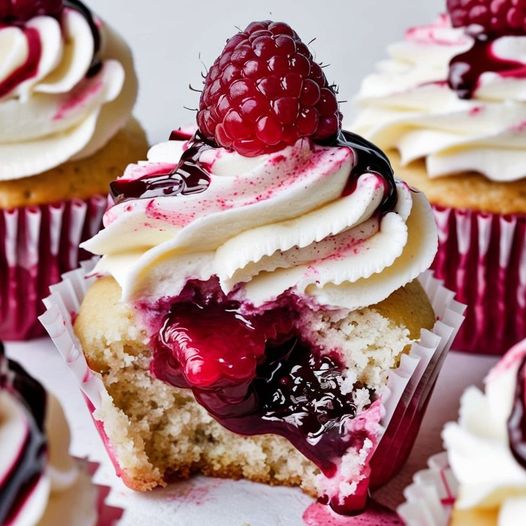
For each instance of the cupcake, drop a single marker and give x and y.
(40, 484)
(67, 90)
(449, 107)
(487, 447)
(256, 311)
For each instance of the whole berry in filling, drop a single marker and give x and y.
(495, 16)
(265, 91)
(23, 10)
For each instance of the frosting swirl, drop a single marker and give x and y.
(29, 471)
(56, 103)
(408, 103)
(485, 447)
(321, 222)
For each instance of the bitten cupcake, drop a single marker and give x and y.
(40, 484)
(256, 312)
(67, 90)
(449, 106)
(487, 448)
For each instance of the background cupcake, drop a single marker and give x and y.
(67, 90)
(449, 106)
(481, 481)
(40, 484)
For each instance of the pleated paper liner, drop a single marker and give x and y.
(37, 245)
(431, 496)
(405, 398)
(482, 257)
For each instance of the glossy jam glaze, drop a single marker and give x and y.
(30, 464)
(466, 69)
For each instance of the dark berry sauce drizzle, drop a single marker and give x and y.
(96, 63)
(190, 176)
(255, 375)
(517, 420)
(31, 463)
(369, 159)
(466, 69)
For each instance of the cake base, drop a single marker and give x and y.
(158, 433)
(474, 518)
(467, 190)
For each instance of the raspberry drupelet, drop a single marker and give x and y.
(265, 91)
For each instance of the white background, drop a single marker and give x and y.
(169, 36)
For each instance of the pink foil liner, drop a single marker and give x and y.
(405, 398)
(37, 245)
(482, 257)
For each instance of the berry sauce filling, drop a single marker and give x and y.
(23, 475)
(517, 420)
(255, 374)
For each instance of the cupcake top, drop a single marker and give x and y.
(269, 197)
(67, 85)
(34, 442)
(487, 447)
(453, 93)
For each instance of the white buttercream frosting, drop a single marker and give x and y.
(61, 113)
(407, 104)
(265, 225)
(479, 450)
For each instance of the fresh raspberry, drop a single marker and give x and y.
(495, 16)
(23, 10)
(265, 91)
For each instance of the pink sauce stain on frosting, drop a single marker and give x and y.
(29, 68)
(79, 97)
(431, 34)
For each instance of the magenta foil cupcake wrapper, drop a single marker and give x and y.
(482, 257)
(431, 496)
(37, 245)
(405, 398)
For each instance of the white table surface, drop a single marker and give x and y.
(232, 503)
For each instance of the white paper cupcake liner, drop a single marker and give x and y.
(431, 496)
(405, 398)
